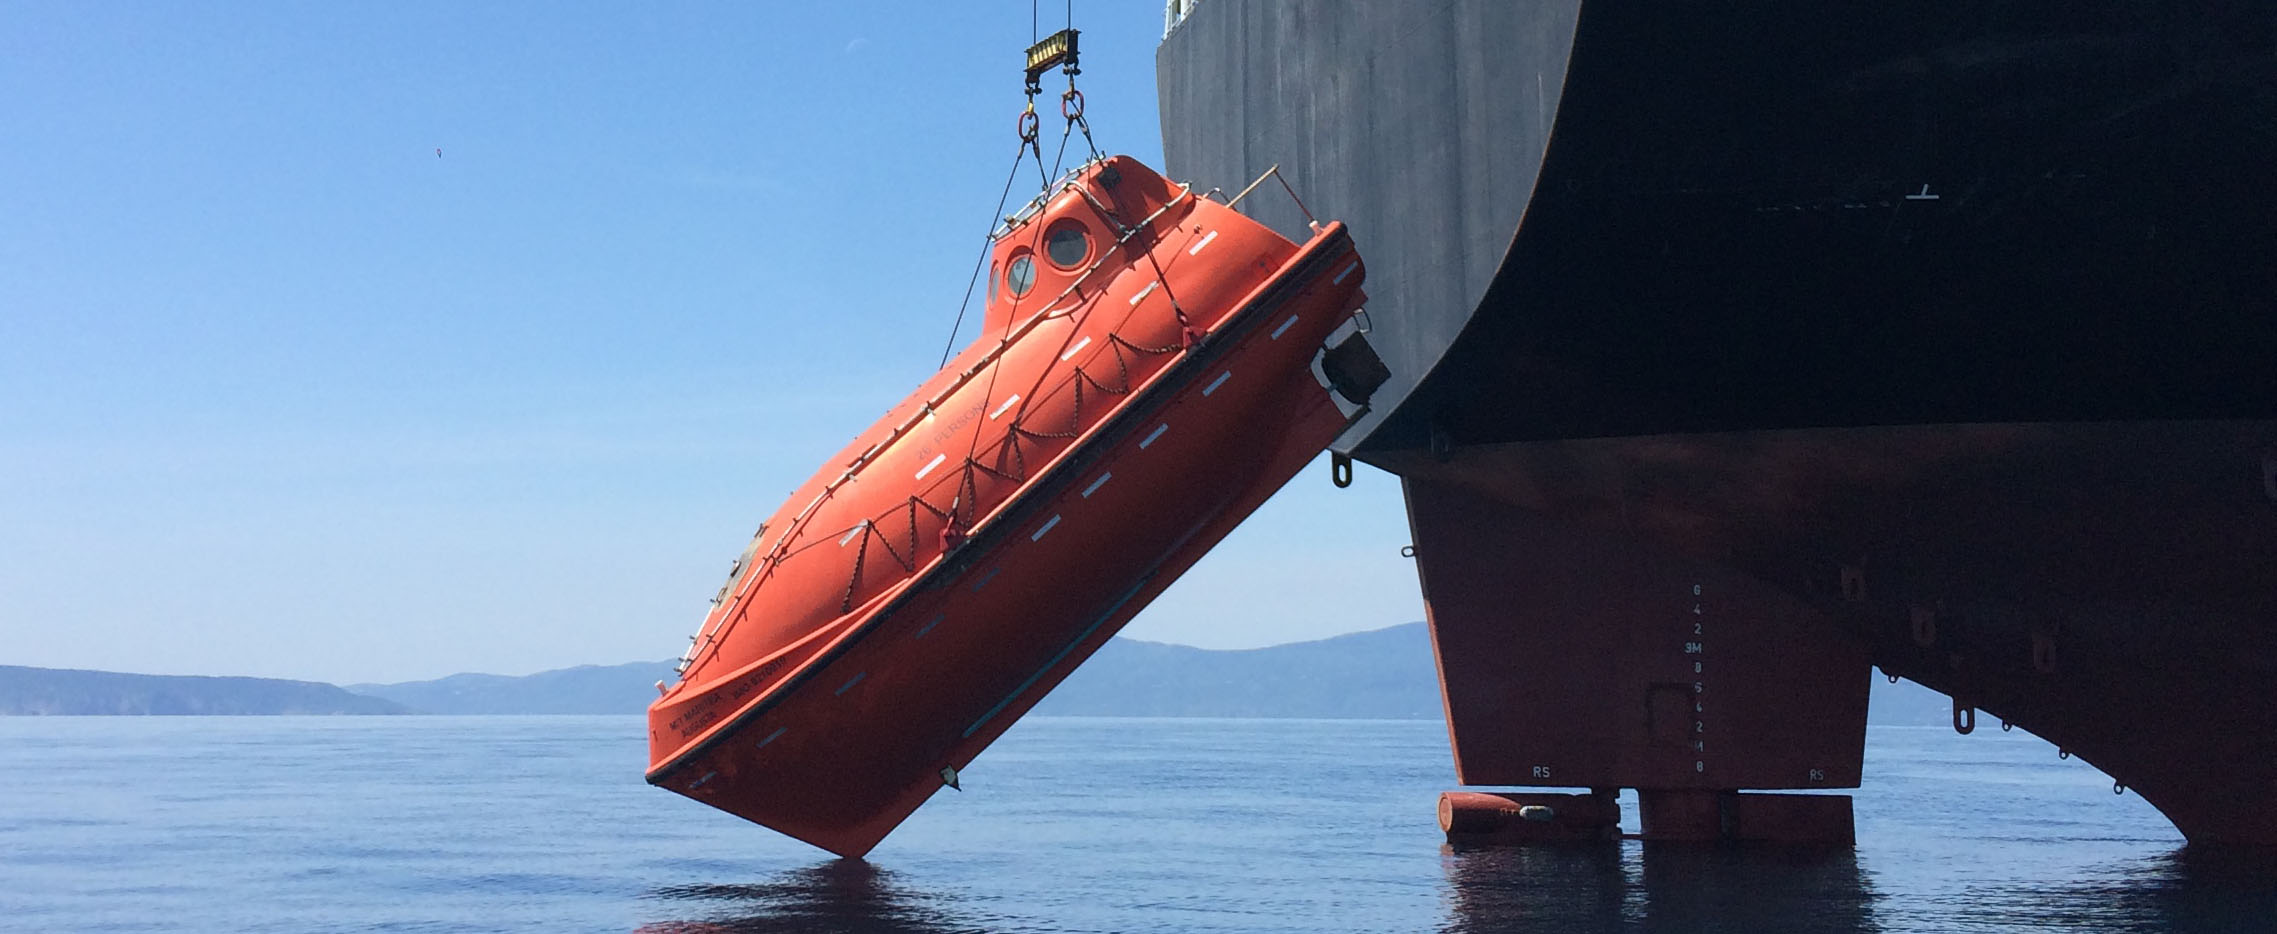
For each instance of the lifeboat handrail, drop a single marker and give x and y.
(713, 633)
(1019, 218)
(989, 359)
(1274, 173)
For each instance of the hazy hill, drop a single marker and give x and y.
(1387, 673)
(63, 692)
(1384, 674)
(623, 688)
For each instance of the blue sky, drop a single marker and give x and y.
(284, 393)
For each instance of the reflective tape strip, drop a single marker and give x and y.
(1339, 280)
(1285, 325)
(983, 582)
(1039, 536)
(1078, 348)
(1206, 238)
(1215, 383)
(929, 624)
(857, 530)
(1143, 293)
(771, 737)
(1000, 409)
(850, 682)
(1156, 433)
(1096, 484)
(936, 462)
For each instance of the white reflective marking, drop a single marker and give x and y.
(1206, 238)
(929, 624)
(1923, 196)
(1285, 325)
(850, 682)
(1039, 536)
(1339, 280)
(771, 737)
(983, 582)
(1000, 409)
(935, 462)
(1078, 348)
(1215, 383)
(857, 530)
(1156, 433)
(700, 782)
(1143, 293)
(1095, 485)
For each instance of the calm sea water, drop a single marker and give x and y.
(440, 824)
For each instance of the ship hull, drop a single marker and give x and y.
(1937, 332)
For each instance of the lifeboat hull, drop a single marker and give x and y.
(838, 737)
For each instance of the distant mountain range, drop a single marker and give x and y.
(1383, 674)
(1386, 674)
(625, 688)
(65, 692)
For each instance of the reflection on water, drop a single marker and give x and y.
(1629, 885)
(2186, 890)
(152, 825)
(1623, 886)
(1632, 886)
(841, 895)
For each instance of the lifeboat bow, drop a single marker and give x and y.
(1153, 364)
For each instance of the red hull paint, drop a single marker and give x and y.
(1078, 517)
(2059, 577)
(1595, 661)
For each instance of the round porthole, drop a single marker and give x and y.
(1067, 244)
(1021, 275)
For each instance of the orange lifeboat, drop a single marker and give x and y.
(1152, 367)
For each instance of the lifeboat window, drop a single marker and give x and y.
(1066, 244)
(1021, 275)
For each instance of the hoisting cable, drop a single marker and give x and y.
(988, 239)
(1042, 55)
(1059, 49)
(1060, 158)
(1071, 100)
(1070, 60)
(1075, 115)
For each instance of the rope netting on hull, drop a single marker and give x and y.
(1019, 428)
(937, 518)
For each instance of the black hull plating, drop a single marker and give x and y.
(1814, 247)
